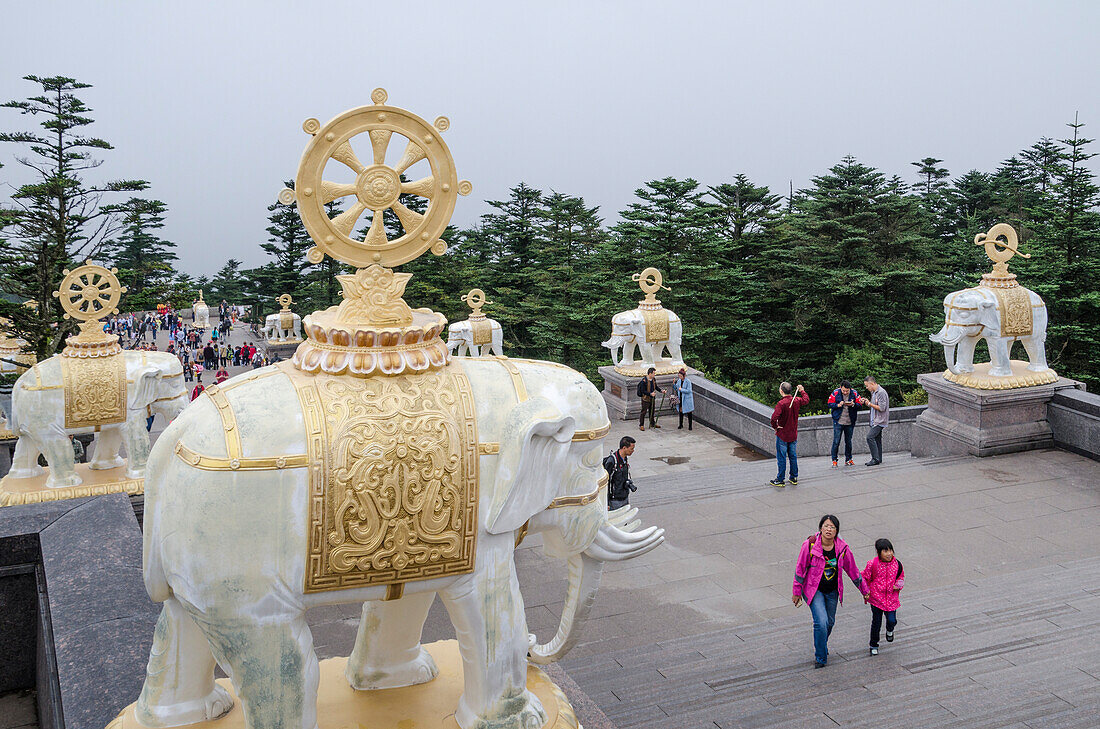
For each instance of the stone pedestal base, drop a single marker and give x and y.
(15, 491)
(962, 420)
(426, 706)
(620, 392)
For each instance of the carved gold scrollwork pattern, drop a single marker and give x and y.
(656, 325)
(398, 498)
(95, 390)
(1015, 306)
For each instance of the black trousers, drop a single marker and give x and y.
(682, 414)
(876, 623)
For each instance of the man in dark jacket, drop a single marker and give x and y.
(785, 423)
(647, 390)
(619, 485)
(844, 403)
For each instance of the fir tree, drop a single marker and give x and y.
(58, 220)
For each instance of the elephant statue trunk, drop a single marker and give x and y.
(949, 337)
(585, 569)
(616, 344)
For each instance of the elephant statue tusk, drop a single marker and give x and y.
(584, 581)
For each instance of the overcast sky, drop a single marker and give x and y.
(206, 99)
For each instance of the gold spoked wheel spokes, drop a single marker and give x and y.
(89, 292)
(378, 186)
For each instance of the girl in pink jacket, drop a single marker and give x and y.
(884, 578)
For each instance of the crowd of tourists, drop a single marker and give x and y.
(200, 351)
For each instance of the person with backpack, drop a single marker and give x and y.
(619, 485)
(647, 391)
(885, 577)
(817, 580)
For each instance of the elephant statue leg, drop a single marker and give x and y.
(24, 463)
(272, 664)
(1000, 365)
(179, 682)
(649, 353)
(387, 651)
(137, 444)
(486, 609)
(628, 353)
(58, 450)
(1036, 353)
(674, 352)
(964, 357)
(106, 449)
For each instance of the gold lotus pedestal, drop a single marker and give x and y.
(428, 705)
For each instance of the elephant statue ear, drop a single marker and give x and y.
(530, 468)
(144, 388)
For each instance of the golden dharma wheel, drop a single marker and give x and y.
(89, 292)
(285, 300)
(650, 281)
(377, 186)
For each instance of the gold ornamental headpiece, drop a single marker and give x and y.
(1001, 244)
(475, 300)
(285, 300)
(650, 281)
(373, 331)
(88, 294)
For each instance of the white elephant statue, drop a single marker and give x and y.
(462, 338)
(231, 533)
(978, 313)
(283, 326)
(628, 332)
(154, 384)
(202, 314)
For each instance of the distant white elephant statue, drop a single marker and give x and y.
(628, 332)
(976, 313)
(283, 327)
(237, 595)
(462, 339)
(154, 384)
(202, 314)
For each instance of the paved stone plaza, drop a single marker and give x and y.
(998, 617)
(997, 623)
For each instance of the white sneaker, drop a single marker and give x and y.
(874, 651)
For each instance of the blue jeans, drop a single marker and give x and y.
(846, 431)
(823, 608)
(783, 451)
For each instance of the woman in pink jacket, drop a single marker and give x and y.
(817, 580)
(885, 578)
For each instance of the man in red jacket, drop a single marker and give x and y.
(785, 424)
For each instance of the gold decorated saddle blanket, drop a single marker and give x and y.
(393, 477)
(481, 331)
(1015, 306)
(286, 321)
(656, 324)
(94, 390)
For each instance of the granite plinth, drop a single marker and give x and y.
(90, 619)
(282, 350)
(1074, 416)
(620, 392)
(963, 420)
